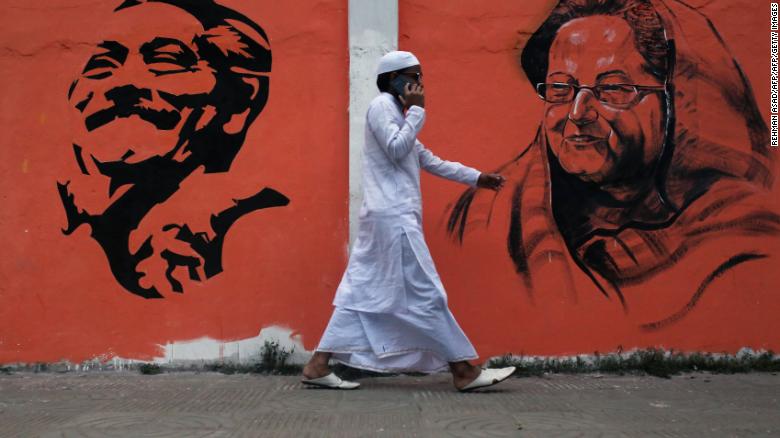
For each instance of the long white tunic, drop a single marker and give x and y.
(391, 308)
(423, 338)
(392, 208)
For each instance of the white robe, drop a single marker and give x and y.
(391, 308)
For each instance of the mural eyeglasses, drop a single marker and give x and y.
(618, 95)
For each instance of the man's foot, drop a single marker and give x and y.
(488, 377)
(464, 376)
(331, 381)
(315, 371)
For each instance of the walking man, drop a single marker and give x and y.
(391, 311)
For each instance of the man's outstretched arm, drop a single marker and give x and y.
(455, 171)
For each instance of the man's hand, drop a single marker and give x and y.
(492, 181)
(414, 94)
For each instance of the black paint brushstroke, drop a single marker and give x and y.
(456, 223)
(718, 272)
(77, 151)
(211, 250)
(127, 154)
(127, 100)
(458, 219)
(72, 87)
(74, 215)
(762, 222)
(664, 162)
(175, 260)
(83, 103)
(599, 260)
(627, 250)
(514, 241)
(764, 228)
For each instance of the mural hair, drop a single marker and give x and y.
(238, 50)
(240, 43)
(649, 33)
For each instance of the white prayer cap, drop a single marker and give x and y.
(395, 61)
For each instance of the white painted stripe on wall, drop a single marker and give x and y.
(373, 31)
(242, 351)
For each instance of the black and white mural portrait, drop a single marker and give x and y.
(168, 94)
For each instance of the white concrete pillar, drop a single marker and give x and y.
(373, 31)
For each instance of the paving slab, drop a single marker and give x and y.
(186, 404)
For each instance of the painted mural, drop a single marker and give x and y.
(640, 207)
(189, 95)
(151, 151)
(626, 175)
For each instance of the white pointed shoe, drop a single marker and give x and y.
(331, 381)
(489, 377)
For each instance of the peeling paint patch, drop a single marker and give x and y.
(239, 352)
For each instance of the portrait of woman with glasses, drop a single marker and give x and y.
(651, 169)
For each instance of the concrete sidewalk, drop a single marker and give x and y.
(109, 404)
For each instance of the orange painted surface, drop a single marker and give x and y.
(483, 112)
(281, 265)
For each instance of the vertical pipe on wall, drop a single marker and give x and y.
(373, 31)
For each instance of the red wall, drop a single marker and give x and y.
(59, 299)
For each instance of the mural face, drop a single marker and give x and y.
(611, 134)
(154, 105)
(629, 174)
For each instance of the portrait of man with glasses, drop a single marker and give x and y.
(650, 172)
